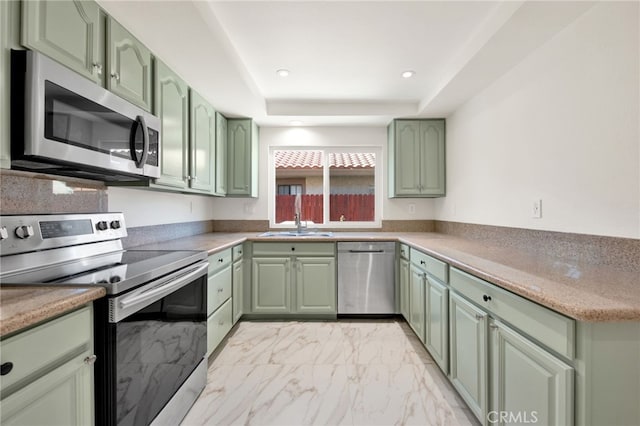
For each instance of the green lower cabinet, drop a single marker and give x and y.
(315, 285)
(238, 289)
(468, 353)
(62, 397)
(271, 285)
(218, 325)
(405, 274)
(528, 384)
(51, 382)
(416, 301)
(437, 322)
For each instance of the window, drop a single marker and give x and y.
(336, 186)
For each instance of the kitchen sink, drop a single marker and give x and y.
(296, 234)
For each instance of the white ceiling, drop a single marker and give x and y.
(345, 57)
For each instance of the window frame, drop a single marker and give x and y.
(326, 185)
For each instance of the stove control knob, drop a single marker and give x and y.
(102, 226)
(3, 233)
(115, 279)
(115, 224)
(23, 232)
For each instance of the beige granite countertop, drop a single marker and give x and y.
(22, 307)
(580, 291)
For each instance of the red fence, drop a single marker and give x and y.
(354, 207)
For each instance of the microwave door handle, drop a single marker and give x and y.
(145, 140)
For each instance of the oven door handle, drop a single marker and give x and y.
(161, 289)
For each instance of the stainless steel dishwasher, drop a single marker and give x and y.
(366, 278)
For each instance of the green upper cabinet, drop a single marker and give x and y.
(129, 64)
(203, 144)
(417, 158)
(221, 155)
(71, 32)
(242, 158)
(172, 106)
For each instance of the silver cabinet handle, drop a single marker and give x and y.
(90, 359)
(194, 178)
(220, 290)
(115, 76)
(97, 68)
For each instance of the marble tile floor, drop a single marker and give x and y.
(349, 372)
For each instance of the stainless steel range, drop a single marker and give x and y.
(150, 330)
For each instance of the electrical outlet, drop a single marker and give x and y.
(536, 211)
(412, 208)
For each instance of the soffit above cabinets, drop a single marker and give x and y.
(345, 58)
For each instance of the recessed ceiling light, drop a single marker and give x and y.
(282, 72)
(295, 123)
(408, 74)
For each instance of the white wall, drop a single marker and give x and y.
(562, 126)
(145, 207)
(392, 209)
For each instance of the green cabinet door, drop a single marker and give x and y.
(71, 32)
(242, 156)
(237, 292)
(221, 155)
(404, 275)
(432, 159)
(271, 285)
(203, 144)
(129, 65)
(416, 301)
(527, 381)
(416, 158)
(407, 155)
(437, 322)
(468, 353)
(172, 106)
(62, 397)
(315, 285)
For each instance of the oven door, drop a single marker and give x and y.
(149, 341)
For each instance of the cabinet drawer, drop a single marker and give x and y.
(294, 249)
(433, 266)
(219, 260)
(218, 289)
(34, 351)
(404, 251)
(237, 252)
(546, 326)
(218, 325)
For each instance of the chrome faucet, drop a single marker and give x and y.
(296, 215)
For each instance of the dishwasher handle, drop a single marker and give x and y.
(366, 251)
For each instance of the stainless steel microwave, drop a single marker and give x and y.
(63, 123)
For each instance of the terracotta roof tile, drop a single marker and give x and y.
(313, 160)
